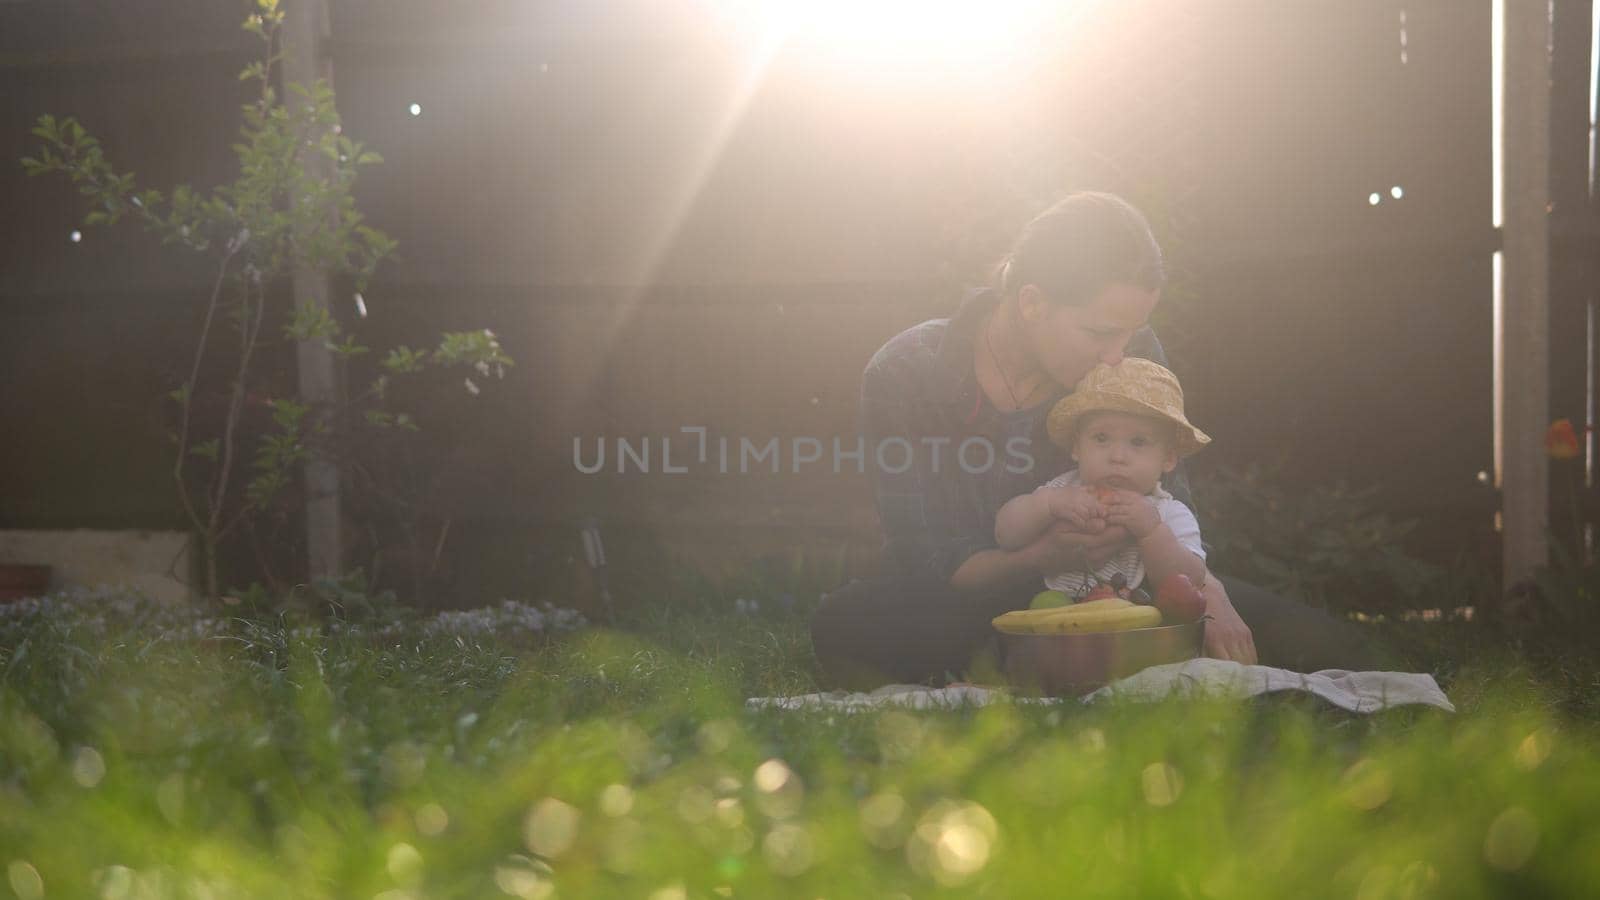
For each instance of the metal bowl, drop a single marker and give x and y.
(1070, 665)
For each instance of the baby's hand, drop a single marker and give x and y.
(1132, 511)
(1077, 505)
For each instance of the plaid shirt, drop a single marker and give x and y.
(921, 387)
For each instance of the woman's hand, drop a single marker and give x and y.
(1064, 548)
(1134, 512)
(1227, 636)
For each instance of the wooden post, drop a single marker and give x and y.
(1571, 272)
(305, 60)
(1524, 326)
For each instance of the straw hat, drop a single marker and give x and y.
(1134, 385)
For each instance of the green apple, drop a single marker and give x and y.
(1048, 600)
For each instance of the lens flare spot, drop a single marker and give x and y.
(715, 737)
(772, 775)
(953, 841)
(616, 800)
(1162, 784)
(432, 819)
(1092, 740)
(88, 767)
(1511, 840)
(1534, 749)
(551, 827)
(729, 812)
(882, 819)
(404, 863)
(25, 880)
(1366, 785)
(522, 877)
(780, 791)
(900, 735)
(621, 849)
(788, 849)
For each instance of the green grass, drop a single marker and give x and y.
(272, 761)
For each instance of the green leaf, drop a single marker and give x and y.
(312, 322)
(288, 414)
(207, 449)
(347, 348)
(403, 360)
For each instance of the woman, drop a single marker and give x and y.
(957, 409)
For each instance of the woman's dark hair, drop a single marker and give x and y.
(1077, 247)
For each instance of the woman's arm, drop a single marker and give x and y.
(1021, 520)
(927, 533)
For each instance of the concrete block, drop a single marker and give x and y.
(153, 562)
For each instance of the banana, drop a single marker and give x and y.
(1025, 616)
(1079, 620)
(1102, 603)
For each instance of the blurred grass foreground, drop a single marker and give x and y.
(154, 751)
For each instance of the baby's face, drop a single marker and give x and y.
(1125, 451)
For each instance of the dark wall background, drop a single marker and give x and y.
(658, 246)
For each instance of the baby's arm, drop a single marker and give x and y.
(1025, 517)
(1168, 548)
(1163, 556)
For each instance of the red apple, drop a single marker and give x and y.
(1100, 592)
(1178, 599)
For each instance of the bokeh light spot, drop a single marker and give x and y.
(1366, 785)
(953, 841)
(616, 800)
(772, 775)
(88, 767)
(882, 819)
(404, 864)
(1534, 749)
(1162, 784)
(788, 849)
(432, 819)
(551, 827)
(25, 880)
(1511, 840)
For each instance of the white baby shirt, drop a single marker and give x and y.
(1128, 562)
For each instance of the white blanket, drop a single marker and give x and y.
(1360, 692)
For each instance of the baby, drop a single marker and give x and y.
(1125, 427)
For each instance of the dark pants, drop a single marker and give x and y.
(884, 630)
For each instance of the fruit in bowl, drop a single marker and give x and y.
(1049, 600)
(1179, 600)
(1102, 614)
(1070, 650)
